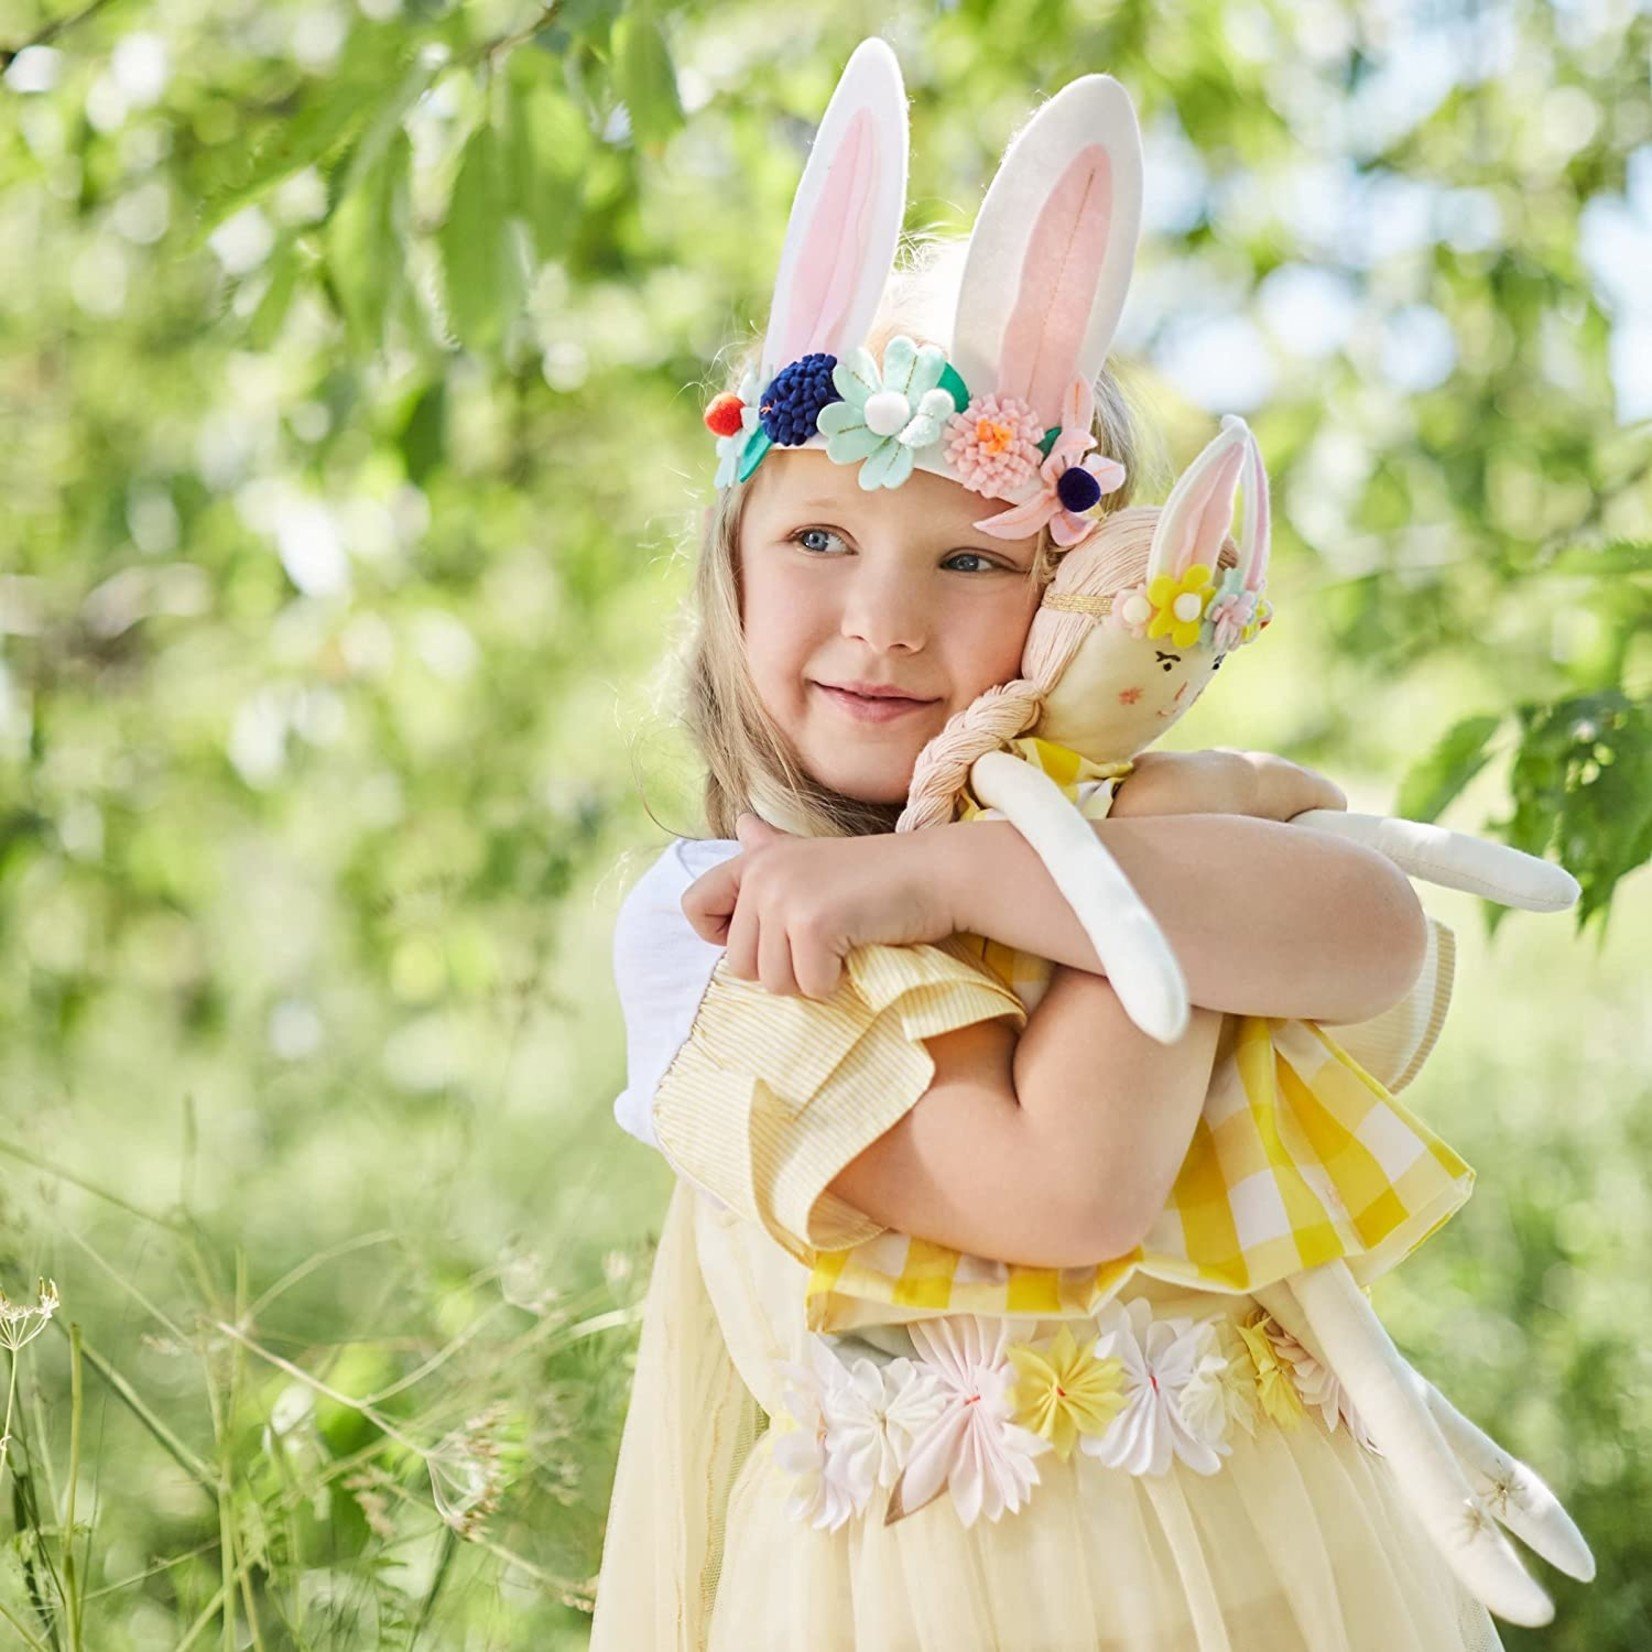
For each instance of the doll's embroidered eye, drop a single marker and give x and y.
(1168, 661)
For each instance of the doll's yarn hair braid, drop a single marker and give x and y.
(1113, 559)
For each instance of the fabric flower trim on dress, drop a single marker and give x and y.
(972, 1412)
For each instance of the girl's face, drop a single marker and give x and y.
(841, 586)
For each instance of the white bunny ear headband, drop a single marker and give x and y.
(1006, 408)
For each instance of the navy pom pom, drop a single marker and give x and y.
(1077, 489)
(793, 398)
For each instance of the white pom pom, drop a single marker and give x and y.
(1186, 607)
(887, 413)
(1137, 610)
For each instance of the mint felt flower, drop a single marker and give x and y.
(1230, 613)
(887, 415)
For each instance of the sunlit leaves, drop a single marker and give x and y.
(1582, 785)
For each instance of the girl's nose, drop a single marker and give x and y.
(886, 611)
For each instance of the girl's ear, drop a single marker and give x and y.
(1054, 243)
(1194, 520)
(846, 216)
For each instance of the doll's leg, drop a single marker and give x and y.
(1342, 1329)
(1512, 1490)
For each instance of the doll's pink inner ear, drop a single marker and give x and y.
(1210, 512)
(830, 256)
(1059, 274)
(1258, 520)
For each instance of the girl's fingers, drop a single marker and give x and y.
(817, 970)
(774, 959)
(743, 940)
(709, 902)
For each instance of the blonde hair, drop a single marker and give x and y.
(749, 762)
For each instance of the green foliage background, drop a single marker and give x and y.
(350, 385)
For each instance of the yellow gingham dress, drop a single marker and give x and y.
(1302, 1543)
(1301, 1156)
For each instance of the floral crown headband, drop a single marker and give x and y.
(1005, 408)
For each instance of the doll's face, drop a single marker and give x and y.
(893, 586)
(1119, 693)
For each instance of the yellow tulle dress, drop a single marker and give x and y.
(1177, 1476)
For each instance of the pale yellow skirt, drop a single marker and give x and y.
(1298, 1544)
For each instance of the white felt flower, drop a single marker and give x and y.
(729, 448)
(1160, 1358)
(972, 1446)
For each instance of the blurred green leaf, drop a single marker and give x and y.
(645, 78)
(364, 255)
(472, 240)
(1431, 783)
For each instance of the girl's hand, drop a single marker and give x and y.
(1223, 781)
(789, 908)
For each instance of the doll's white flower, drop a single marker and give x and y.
(1160, 1357)
(972, 1446)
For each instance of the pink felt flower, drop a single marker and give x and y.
(993, 444)
(1131, 611)
(1069, 526)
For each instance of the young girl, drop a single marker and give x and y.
(841, 624)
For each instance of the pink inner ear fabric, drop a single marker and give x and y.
(829, 257)
(1257, 511)
(1211, 512)
(1059, 275)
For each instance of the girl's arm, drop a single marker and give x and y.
(1265, 918)
(1053, 1148)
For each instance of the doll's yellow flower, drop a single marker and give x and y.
(1063, 1390)
(1179, 604)
(1275, 1384)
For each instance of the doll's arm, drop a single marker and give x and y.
(1265, 918)
(1222, 781)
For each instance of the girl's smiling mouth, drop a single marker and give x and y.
(866, 709)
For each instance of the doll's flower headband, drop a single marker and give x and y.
(1005, 407)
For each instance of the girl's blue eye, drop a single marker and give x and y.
(987, 564)
(798, 536)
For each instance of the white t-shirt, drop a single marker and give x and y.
(661, 971)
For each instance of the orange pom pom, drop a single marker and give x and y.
(724, 414)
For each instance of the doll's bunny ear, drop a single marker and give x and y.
(846, 216)
(1050, 257)
(1195, 519)
(1255, 521)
